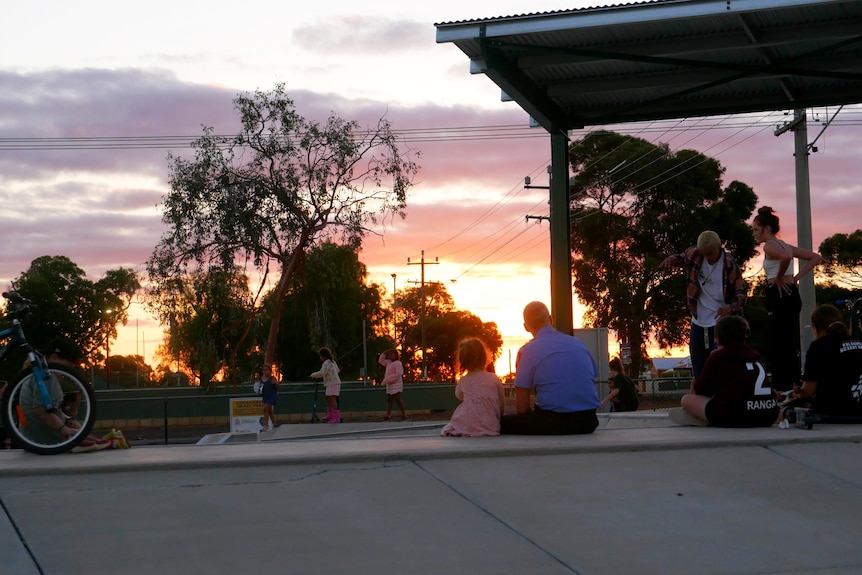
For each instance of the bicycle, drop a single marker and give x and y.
(43, 395)
(855, 307)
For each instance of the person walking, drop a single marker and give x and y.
(329, 373)
(269, 394)
(394, 382)
(715, 289)
(783, 303)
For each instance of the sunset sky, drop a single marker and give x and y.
(97, 69)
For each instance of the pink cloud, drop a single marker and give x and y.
(468, 205)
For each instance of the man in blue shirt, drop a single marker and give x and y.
(562, 373)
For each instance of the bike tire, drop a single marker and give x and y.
(34, 436)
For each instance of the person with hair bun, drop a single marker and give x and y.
(832, 382)
(783, 302)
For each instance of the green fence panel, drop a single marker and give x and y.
(293, 398)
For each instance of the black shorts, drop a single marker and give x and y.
(724, 418)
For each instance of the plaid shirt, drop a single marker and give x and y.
(732, 280)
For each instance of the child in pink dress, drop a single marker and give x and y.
(480, 392)
(394, 382)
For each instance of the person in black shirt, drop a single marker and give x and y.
(622, 396)
(832, 380)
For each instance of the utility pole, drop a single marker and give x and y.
(799, 127)
(108, 352)
(107, 361)
(137, 356)
(394, 312)
(364, 355)
(422, 263)
(528, 186)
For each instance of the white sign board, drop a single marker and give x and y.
(246, 415)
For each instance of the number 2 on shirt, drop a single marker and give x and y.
(759, 388)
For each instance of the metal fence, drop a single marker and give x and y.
(169, 409)
(181, 407)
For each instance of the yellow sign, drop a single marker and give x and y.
(246, 415)
(241, 407)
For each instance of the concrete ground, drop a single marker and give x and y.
(639, 496)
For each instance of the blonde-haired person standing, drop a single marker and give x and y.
(783, 303)
(715, 289)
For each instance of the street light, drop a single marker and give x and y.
(108, 353)
(394, 312)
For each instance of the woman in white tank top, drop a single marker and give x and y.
(783, 303)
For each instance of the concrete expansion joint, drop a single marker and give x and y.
(496, 518)
(776, 450)
(344, 468)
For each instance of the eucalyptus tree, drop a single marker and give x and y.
(331, 303)
(264, 197)
(211, 316)
(444, 334)
(444, 326)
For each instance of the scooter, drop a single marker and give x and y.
(314, 417)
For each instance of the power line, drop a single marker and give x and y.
(762, 123)
(490, 245)
(852, 116)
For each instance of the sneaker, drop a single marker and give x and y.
(681, 417)
(405, 418)
(387, 418)
(91, 444)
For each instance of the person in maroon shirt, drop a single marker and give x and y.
(733, 390)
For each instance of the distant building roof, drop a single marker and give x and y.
(670, 363)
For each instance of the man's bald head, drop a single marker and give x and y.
(536, 316)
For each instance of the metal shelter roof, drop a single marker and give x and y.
(668, 58)
(665, 59)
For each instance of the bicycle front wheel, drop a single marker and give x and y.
(23, 410)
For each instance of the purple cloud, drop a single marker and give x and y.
(98, 205)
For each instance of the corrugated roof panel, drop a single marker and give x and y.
(638, 61)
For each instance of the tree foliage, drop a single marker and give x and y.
(326, 305)
(128, 371)
(282, 185)
(68, 304)
(444, 333)
(632, 204)
(210, 317)
(842, 258)
(445, 326)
